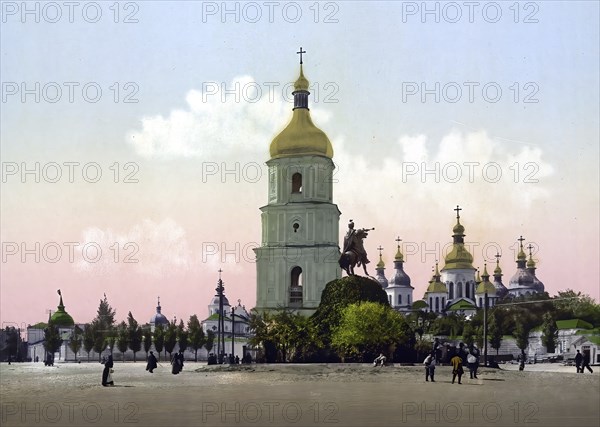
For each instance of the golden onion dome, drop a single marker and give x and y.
(380, 264)
(484, 287)
(399, 256)
(459, 257)
(435, 285)
(301, 137)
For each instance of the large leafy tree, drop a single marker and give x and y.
(99, 338)
(147, 340)
(366, 329)
(495, 332)
(549, 332)
(104, 333)
(88, 339)
(570, 304)
(122, 340)
(468, 334)
(170, 338)
(210, 340)
(52, 338)
(196, 335)
(159, 339)
(76, 341)
(135, 334)
(182, 336)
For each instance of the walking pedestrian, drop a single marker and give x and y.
(578, 362)
(106, 373)
(457, 368)
(586, 363)
(152, 363)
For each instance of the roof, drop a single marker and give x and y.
(573, 324)
(462, 304)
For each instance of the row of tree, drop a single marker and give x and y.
(355, 322)
(102, 333)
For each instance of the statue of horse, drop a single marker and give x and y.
(351, 258)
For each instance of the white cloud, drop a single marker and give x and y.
(149, 248)
(215, 127)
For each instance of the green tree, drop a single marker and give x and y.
(366, 329)
(210, 341)
(182, 336)
(52, 338)
(521, 334)
(111, 338)
(159, 339)
(495, 331)
(122, 340)
(549, 332)
(196, 335)
(340, 293)
(135, 334)
(88, 339)
(75, 342)
(468, 334)
(99, 339)
(147, 340)
(570, 304)
(170, 338)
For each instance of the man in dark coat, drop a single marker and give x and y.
(586, 363)
(152, 362)
(107, 369)
(578, 361)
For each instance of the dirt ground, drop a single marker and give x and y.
(295, 395)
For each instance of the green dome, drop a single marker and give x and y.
(61, 317)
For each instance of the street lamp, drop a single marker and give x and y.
(233, 333)
(221, 321)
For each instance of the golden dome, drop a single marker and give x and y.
(459, 257)
(301, 137)
(435, 285)
(399, 256)
(485, 286)
(380, 264)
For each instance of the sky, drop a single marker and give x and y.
(134, 138)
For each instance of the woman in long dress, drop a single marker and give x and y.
(106, 381)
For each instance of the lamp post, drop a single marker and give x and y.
(221, 321)
(485, 328)
(232, 333)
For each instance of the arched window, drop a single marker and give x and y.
(390, 298)
(451, 290)
(437, 303)
(409, 299)
(468, 290)
(443, 303)
(296, 286)
(297, 183)
(459, 290)
(430, 304)
(399, 299)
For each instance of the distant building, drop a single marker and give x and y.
(398, 289)
(158, 318)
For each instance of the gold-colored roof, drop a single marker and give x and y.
(302, 82)
(458, 257)
(435, 285)
(399, 256)
(301, 137)
(497, 270)
(380, 264)
(485, 286)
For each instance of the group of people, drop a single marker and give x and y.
(461, 358)
(582, 362)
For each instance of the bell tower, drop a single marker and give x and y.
(300, 224)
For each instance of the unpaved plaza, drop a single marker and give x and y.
(295, 395)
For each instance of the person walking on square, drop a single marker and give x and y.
(152, 362)
(457, 368)
(106, 373)
(578, 362)
(586, 363)
(473, 360)
(430, 366)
